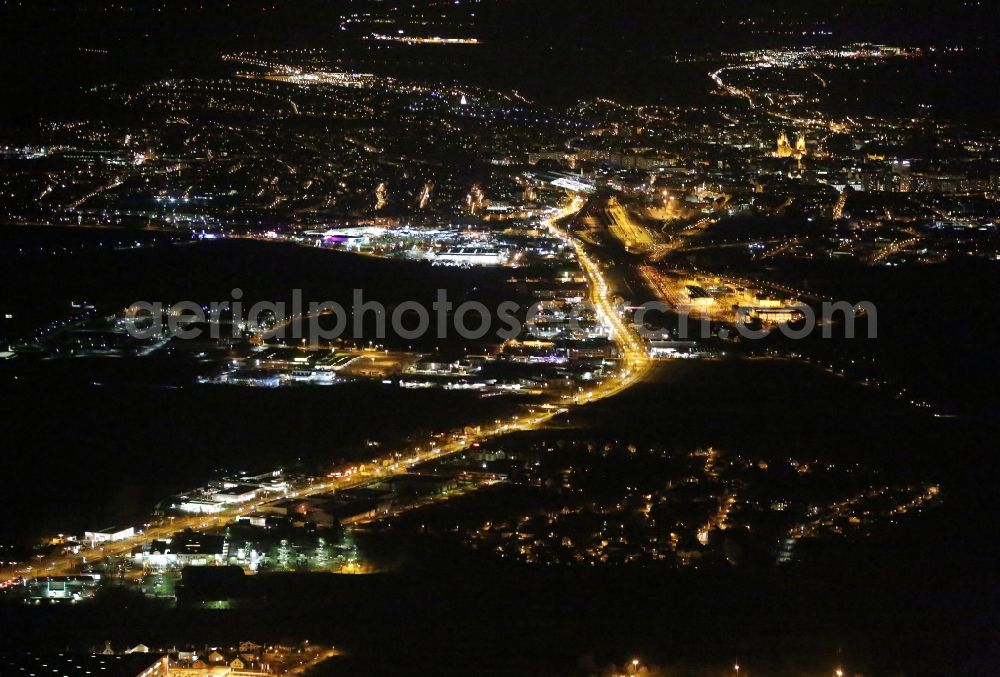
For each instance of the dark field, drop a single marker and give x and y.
(94, 441)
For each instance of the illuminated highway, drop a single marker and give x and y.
(635, 366)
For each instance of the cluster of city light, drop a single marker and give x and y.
(433, 40)
(635, 364)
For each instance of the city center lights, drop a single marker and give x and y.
(464, 337)
(413, 40)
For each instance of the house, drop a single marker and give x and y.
(192, 549)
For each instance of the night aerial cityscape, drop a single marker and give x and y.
(499, 337)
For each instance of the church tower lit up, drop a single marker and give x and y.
(786, 149)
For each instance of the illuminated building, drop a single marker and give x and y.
(787, 150)
(467, 257)
(201, 507)
(784, 147)
(109, 535)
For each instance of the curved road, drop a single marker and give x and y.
(635, 366)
